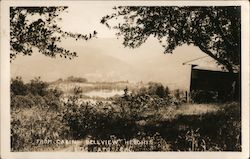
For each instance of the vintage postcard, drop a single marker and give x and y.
(125, 79)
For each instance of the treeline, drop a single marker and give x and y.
(72, 79)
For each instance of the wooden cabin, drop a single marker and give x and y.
(226, 85)
(206, 76)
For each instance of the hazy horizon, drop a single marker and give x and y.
(104, 58)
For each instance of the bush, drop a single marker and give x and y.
(202, 96)
(158, 89)
(178, 97)
(30, 125)
(35, 115)
(18, 87)
(84, 118)
(20, 101)
(37, 87)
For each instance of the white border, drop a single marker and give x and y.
(5, 83)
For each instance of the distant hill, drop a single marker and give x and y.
(107, 60)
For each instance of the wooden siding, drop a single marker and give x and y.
(224, 83)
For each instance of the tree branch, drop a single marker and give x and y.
(221, 61)
(218, 28)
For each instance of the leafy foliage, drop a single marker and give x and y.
(33, 109)
(40, 113)
(36, 27)
(18, 87)
(32, 124)
(201, 96)
(35, 87)
(219, 131)
(215, 30)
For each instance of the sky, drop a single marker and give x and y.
(105, 58)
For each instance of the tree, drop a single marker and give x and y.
(157, 89)
(215, 30)
(36, 27)
(160, 91)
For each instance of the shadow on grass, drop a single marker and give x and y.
(217, 131)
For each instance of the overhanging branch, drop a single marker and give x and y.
(221, 61)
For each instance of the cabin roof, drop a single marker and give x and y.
(205, 63)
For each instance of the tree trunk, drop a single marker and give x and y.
(220, 60)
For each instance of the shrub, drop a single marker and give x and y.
(158, 89)
(30, 125)
(36, 115)
(18, 87)
(52, 99)
(202, 96)
(20, 101)
(37, 87)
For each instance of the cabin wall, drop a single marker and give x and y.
(226, 84)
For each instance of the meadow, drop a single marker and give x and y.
(146, 118)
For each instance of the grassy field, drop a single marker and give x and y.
(156, 126)
(169, 126)
(189, 127)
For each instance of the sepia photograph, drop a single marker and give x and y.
(110, 77)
